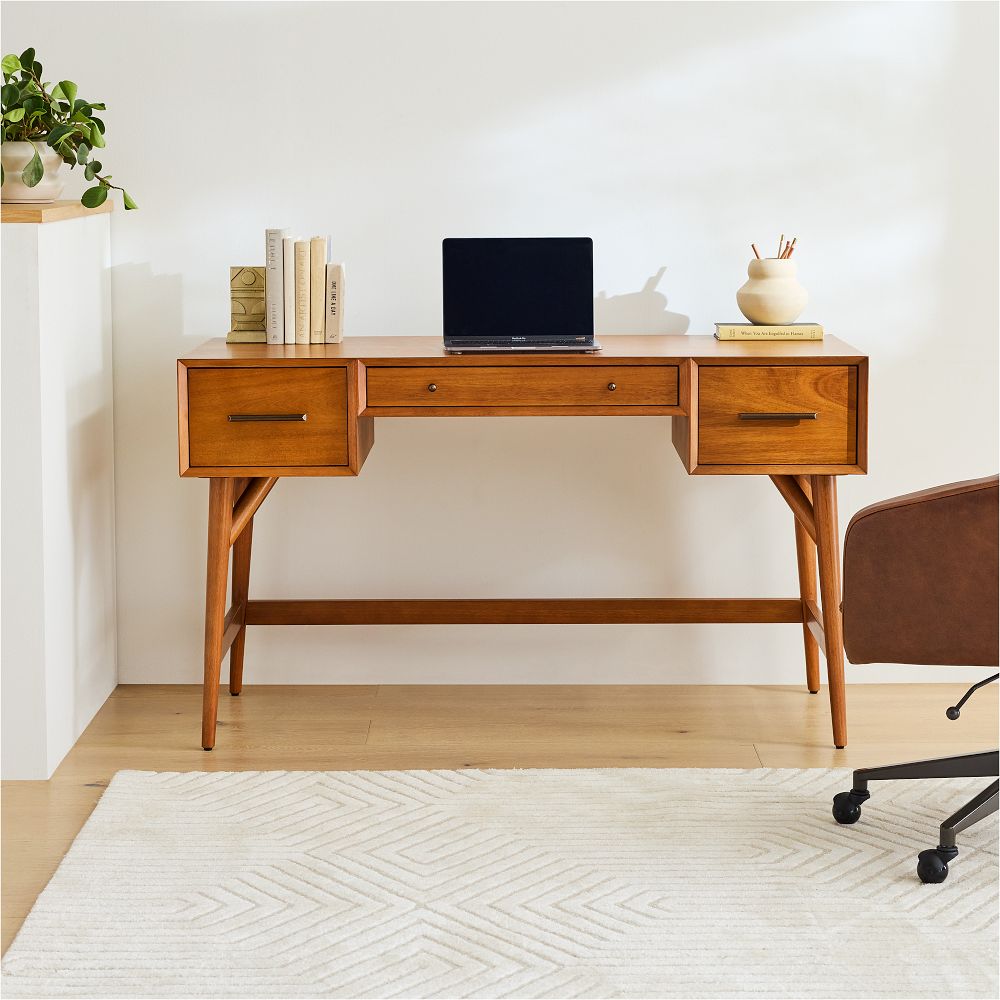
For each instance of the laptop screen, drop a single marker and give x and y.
(519, 289)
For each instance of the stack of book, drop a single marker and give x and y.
(758, 331)
(303, 294)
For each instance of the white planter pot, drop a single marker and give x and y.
(15, 157)
(773, 294)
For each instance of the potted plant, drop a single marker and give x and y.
(43, 128)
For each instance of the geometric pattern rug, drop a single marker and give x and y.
(532, 883)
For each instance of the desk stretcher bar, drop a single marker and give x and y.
(538, 611)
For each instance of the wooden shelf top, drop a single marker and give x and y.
(54, 211)
(424, 350)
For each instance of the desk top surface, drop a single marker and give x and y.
(615, 348)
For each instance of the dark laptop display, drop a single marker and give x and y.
(519, 294)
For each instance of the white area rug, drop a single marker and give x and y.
(587, 883)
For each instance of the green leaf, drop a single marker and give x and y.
(69, 88)
(96, 138)
(27, 57)
(99, 107)
(129, 203)
(89, 171)
(98, 123)
(33, 172)
(82, 152)
(9, 93)
(56, 93)
(36, 68)
(94, 196)
(10, 64)
(14, 115)
(57, 133)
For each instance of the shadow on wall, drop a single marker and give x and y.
(160, 522)
(644, 311)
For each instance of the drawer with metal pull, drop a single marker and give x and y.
(778, 414)
(267, 417)
(539, 386)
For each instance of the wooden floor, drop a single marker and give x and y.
(336, 728)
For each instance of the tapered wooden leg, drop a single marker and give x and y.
(824, 491)
(220, 519)
(241, 590)
(805, 553)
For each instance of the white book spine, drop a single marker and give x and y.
(274, 286)
(317, 288)
(334, 303)
(288, 283)
(301, 291)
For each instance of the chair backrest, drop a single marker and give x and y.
(921, 578)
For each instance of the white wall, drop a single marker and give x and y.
(674, 134)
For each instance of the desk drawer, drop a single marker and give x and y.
(537, 386)
(735, 426)
(258, 417)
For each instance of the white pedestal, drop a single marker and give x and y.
(58, 510)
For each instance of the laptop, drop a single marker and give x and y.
(523, 294)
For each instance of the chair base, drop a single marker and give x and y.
(932, 865)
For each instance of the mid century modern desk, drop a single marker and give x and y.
(251, 413)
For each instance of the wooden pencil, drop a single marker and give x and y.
(753, 247)
(780, 244)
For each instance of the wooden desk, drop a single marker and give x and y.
(251, 413)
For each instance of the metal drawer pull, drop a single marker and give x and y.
(612, 386)
(778, 416)
(432, 387)
(244, 418)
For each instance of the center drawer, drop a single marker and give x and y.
(543, 385)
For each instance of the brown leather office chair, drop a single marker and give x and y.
(921, 586)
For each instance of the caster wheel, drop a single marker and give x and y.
(846, 808)
(931, 867)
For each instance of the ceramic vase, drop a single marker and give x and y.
(772, 294)
(15, 157)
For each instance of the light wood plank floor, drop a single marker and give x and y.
(442, 726)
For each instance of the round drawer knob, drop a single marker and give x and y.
(612, 386)
(432, 387)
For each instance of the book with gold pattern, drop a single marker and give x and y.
(317, 289)
(301, 291)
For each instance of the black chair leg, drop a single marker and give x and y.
(966, 765)
(847, 805)
(983, 805)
